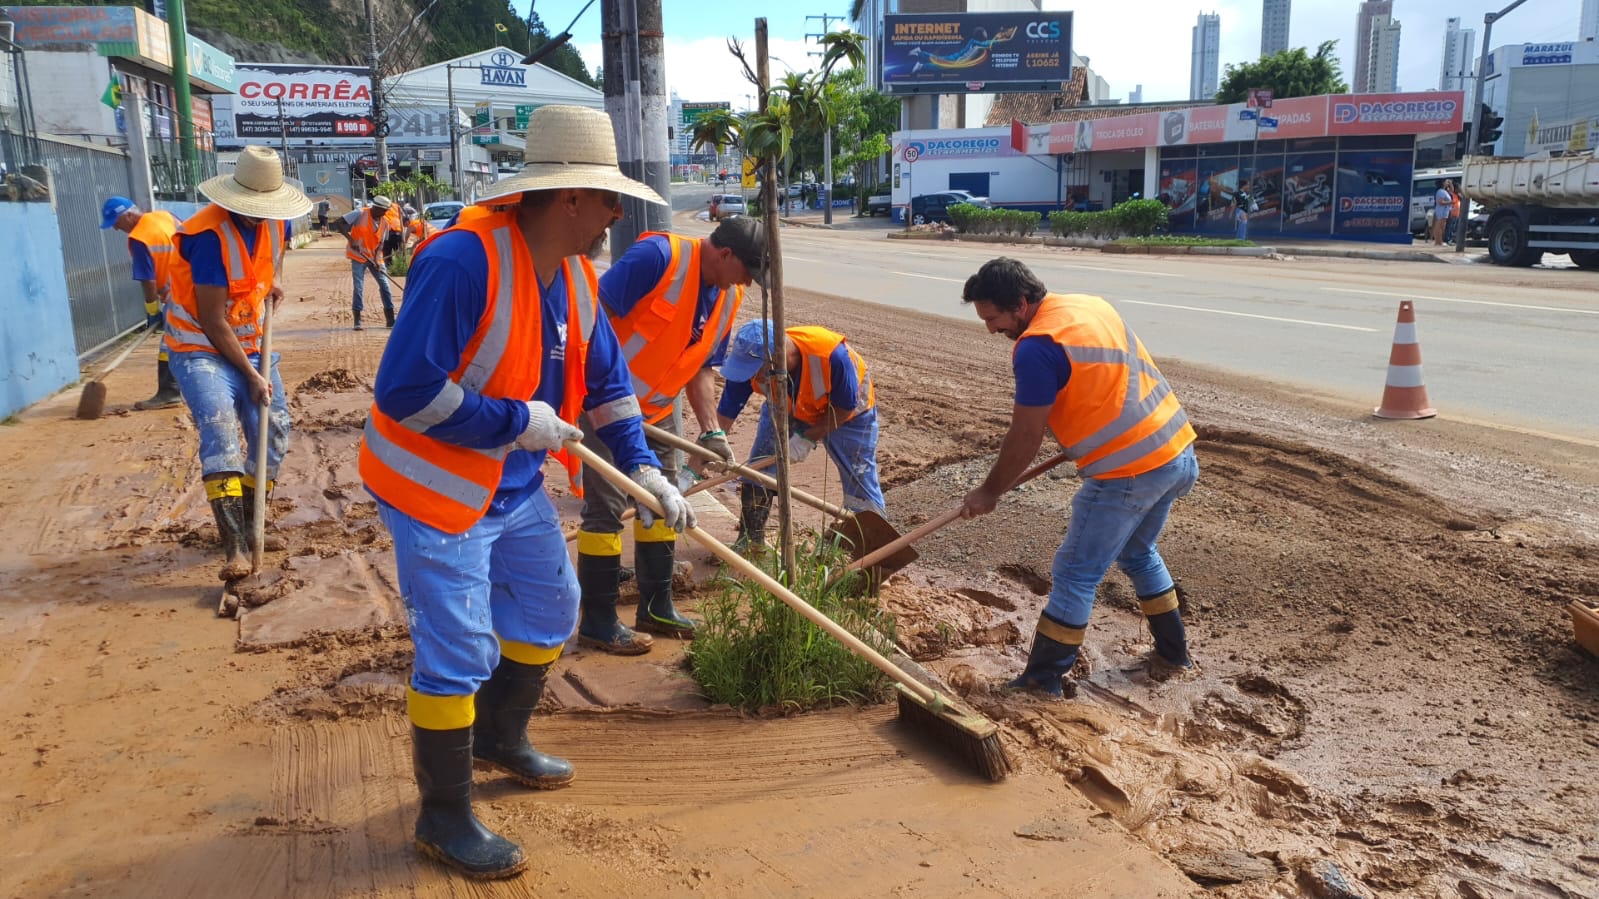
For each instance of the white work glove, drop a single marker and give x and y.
(545, 430)
(679, 515)
(799, 446)
(716, 442)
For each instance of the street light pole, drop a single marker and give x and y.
(379, 122)
(1488, 21)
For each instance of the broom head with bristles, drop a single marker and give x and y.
(972, 737)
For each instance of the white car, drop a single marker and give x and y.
(729, 205)
(438, 215)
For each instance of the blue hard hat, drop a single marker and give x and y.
(747, 351)
(113, 208)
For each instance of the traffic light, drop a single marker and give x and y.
(1488, 130)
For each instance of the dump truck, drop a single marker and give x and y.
(1538, 206)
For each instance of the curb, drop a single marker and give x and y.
(1381, 255)
(1258, 252)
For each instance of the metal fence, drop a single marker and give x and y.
(17, 145)
(171, 177)
(104, 298)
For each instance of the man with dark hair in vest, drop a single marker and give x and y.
(227, 269)
(672, 301)
(501, 346)
(1082, 373)
(150, 244)
(366, 233)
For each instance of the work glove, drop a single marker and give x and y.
(679, 515)
(153, 321)
(545, 430)
(716, 442)
(799, 446)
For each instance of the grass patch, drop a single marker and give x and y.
(400, 262)
(755, 653)
(1182, 240)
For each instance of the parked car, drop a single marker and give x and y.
(728, 205)
(438, 215)
(935, 207)
(879, 204)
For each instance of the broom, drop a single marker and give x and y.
(973, 737)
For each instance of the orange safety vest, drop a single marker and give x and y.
(1116, 417)
(657, 334)
(1455, 211)
(369, 235)
(449, 487)
(816, 346)
(421, 229)
(155, 230)
(250, 277)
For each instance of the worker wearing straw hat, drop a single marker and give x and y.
(229, 257)
(499, 348)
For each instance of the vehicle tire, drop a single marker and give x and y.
(1507, 243)
(919, 219)
(1586, 259)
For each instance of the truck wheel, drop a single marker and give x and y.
(1507, 243)
(1588, 259)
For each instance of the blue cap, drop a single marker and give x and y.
(747, 352)
(113, 208)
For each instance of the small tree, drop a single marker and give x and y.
(1289, 73)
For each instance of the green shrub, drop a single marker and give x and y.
(754, 652)
(969, 219)
(400, 262)
(1135, 218)
(1140, 218)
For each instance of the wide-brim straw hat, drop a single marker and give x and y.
(257, 189)
(569, 147)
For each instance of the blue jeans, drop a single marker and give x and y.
(853, 447)
(358, 271)
(508, 576)
(1117, 520)
(1241, 231)
(219, 400)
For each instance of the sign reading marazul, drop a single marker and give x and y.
(502, 70)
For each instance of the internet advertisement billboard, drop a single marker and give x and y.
(976, 52)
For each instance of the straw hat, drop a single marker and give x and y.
(256, 188)
(569, 146)
(381, 202)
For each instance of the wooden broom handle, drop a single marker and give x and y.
(883, 552)
(692, 448)
(696, 487)
(748, 569)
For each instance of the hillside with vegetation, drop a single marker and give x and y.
(334, 31)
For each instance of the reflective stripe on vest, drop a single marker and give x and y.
(816, 346)
(369, 234)
(155, 231)
(250, 280)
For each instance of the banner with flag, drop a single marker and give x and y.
(113, 94)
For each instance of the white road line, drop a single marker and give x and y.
(1417, 296)
(929, 277)
(1103, 268)
(1270, 318)
(790, 257)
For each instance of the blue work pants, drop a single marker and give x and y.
(853, 447)
(358, 271)
(218, 398)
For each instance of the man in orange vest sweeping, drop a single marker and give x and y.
(365, 233)
(227, 269)
(831, 402)
(150, 244)
(672, 301)
(500, 347)
(1083, 374)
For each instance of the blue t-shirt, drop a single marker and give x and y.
(633, 276)
(203, 251)
(143, 262)
(844, 395)
(446, 293)
(1042, 370)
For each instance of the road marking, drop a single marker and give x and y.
(1270, 318)
(1417, 296)
(929, 277)
(1119, 271)
(790, 257)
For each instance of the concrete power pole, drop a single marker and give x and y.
(635, 98)
(380, 126)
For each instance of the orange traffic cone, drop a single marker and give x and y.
(1405, 396)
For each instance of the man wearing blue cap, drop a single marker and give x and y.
(831, 401)
(150, 243)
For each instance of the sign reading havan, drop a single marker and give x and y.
(503, 70)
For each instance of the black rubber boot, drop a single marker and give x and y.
(754, 507)
(358, 321)
(1166, 626)
(167, 394)
(229, 512)
(499, 733)
(446, 829)
(388, 316)
(1050, 659)
(656, 613)
(598, 577)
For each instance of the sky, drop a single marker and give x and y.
(700, 69)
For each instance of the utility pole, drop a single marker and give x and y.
(635, 99)
(455, 139)
(827, 126)
(178, 37)
(1488, 21)
(379, 119)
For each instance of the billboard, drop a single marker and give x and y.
(976, 52)
(330, 104)
(693, 111)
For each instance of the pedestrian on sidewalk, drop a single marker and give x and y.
(366, 232)
(672, 301)
(1074, 362)
(1454, 212)
(1443, 203)
(502, 346)
(150, 244)
(323, 208)
(830, 402)
(225, 272)
(1243, 205)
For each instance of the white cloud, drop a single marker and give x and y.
(701, 70)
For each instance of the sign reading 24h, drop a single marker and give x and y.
(503, 70)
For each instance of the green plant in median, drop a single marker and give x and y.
(1134, 218)
(755, 653)
(969, 219)
(400, 262)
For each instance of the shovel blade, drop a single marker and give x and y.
(864, 532)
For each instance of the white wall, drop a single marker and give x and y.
(66, 90)
(1013, 177)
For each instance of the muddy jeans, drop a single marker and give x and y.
(853, 448)
(603, 504)
(219, 400)
(358, 271)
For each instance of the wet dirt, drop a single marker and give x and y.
(1389, 701)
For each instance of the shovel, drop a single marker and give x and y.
(864, 531)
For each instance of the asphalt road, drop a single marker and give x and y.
(1493, 349)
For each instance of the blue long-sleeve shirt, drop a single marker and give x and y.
(633, 276)
(446, 293)
(844, 395)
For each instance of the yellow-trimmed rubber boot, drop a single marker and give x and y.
(504, 705)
